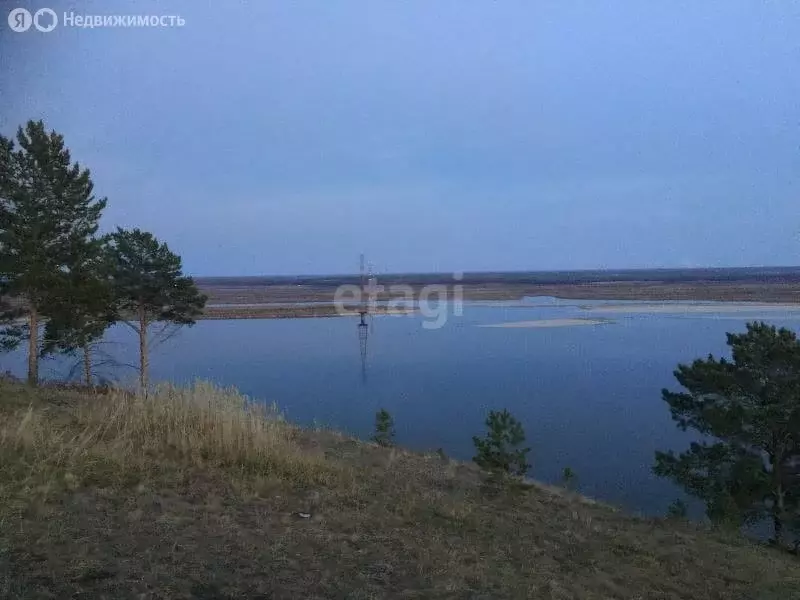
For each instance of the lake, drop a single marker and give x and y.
(588, 396)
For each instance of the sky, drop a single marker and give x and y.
(287, 137)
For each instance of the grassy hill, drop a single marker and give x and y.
(195, 493)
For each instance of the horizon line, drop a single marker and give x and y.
(508, 272)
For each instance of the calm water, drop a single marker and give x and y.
(588, 396)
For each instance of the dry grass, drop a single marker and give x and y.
(194, 494)
(122, 435)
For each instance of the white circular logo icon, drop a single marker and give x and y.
(47, 24)
(20, 20)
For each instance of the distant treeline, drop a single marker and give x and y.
(725, 275)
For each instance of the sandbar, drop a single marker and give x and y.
(549, 323)
(722, 307)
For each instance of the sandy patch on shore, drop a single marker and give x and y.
(726, 307)
(548, 323)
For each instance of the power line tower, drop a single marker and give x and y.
(363, 312)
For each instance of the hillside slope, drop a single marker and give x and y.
(195, 494)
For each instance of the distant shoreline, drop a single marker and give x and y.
(547, 323)
(725, 307)
(315, 298)
(233, 311)
(279, 298)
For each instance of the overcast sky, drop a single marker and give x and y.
(283, 137)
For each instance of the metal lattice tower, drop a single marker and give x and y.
(363, 327)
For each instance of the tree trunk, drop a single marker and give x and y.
(777, 524)
(33, 346)
(142, 349)
(779, 506)
(87, 365)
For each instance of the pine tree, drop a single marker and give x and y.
(149, 287)
(568, 477)
(48, 215)
(82, 308)
(384, 428)
(500, 450)
(750, 408)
